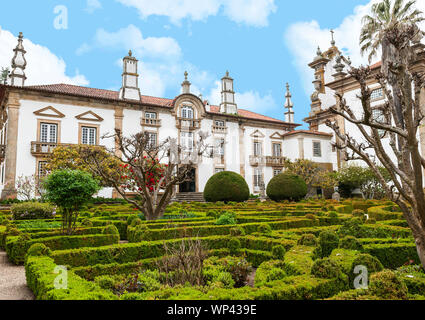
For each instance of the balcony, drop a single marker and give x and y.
(188, 124)
(219, 129)
(151, 122)
(269, 161)
(42, 148)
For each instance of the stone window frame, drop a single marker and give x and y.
(321, 151)
(281, 148)
(89, 125)
(58, 123)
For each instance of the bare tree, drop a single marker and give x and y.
(150, 170)
(402, 82)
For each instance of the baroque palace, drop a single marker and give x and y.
(38, 118)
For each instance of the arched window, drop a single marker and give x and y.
(187, 112)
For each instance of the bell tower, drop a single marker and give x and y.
(228, 104)
(130, 79)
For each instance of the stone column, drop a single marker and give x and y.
(13, 106)
(119, 115)
(301, 148)
(242, 150)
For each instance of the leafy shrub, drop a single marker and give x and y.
(371, 263)
(212, 213)
(237, 231)
(278, 252)
(226, 186)
(87, 222)
(32, 210)
(325, 268)
(264, 228)
(310, 216)
(370, 221)
(307, 239)
(358, 213)
(105, 282)
(351, 243)
(111, 229)
(135, 222)
(226, 280)
(385, 284)
(234, 245)
(286, 186)
(328, 240)
(227, 218)
(38, 249)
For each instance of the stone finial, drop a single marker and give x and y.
(186, 84)
(289, 115)
(19, 63)
(333, 39)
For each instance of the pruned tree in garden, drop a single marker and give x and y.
(150, 170)
(313, 175)
(394, 27)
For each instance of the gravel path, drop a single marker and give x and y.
(13, 285)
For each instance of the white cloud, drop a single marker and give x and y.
(92, 6)
(132, 38)
(302, 39)
(43, 66)
(249, 12)
(248, 100)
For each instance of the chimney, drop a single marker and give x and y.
(130, 79)
(17, 76)
(228, 104)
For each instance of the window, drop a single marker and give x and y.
(41, 170)
(187, 112)
(276, 172)
(219, 123)
(217, 170)
(187, 141)
(48, 132)
(257, 177)
(277, 150)
(379, 116)
(89, 135)
(317, 149)
(377, 94)
(151, 139)
(257, 148)
(150, 115)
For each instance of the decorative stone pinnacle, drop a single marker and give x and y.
(227, 73)
(130, 53)
(333, 40)
(185, 75)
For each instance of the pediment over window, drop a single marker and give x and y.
(89, 116)
(257, 134)
(276, 135)
(49, 112)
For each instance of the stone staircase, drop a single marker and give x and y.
(189, 197)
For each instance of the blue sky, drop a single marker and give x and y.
(263, 43)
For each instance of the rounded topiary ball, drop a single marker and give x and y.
(234, 245)
(371, 263)
(111, 229)
(325, 268)
(328, 240)
(226, 186)
(286, 186)
(278, 252)
(351, 243)
(385, 284)
(38, 249)
(307, 239)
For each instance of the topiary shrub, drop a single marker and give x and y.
(32, 210)
(110, 229)
(234, 245)
(286, 186)
(370, 221)
(87, 222)
(226, 186)
(385, 284)
(136, 222)
(328, 240)
(38, 249)
(351, 243)
(371, 263)
(278, 252)
(227, 218)
(325, 269)
(264, 228)
(307, 239)
(237, 231)
(358, 213)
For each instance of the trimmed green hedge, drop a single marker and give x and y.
(393, 255)
(226, 186)
(16, 247)
(286, 186)
(41, 277)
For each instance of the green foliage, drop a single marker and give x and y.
(385, 284)
(308, 239)
(38, 249)
(237, 231)
(351, 243)
(371, 263)
(111, 229)
(226, 218)
(328, 240)
(325, 268)
(286, 186)
(32, 210)
(278, 252)
(264, 228)
(226, 186)
(234, 245)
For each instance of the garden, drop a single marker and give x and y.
(253, 250)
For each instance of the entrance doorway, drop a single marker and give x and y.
(189, 186)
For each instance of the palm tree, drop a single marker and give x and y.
(385, 17)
